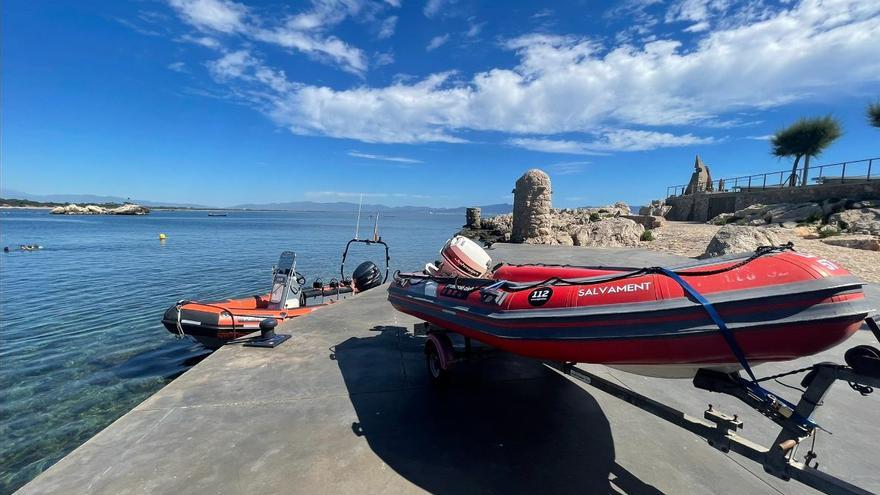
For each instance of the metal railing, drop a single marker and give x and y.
(830, 173)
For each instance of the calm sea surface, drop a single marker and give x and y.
(81, 341)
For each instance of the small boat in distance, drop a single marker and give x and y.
(776, 305)
(217, 214)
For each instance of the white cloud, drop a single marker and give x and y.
(386, 158)
(384, 58)
(474, 29)
(553, 146)
(433, 7)
(303, 32)
(437, 42)
(177, 66)
(206, 41)
(695, 10)
(218, 15)
(348, 57)
(635, 140)
(575, 85)
(611, 141)
(765, 137)
(386, 29)
(567, 168)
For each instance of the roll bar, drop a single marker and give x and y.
(367, 242)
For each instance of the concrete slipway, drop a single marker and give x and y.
(345, 407)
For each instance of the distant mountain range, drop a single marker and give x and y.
(86, 199)
(493, 209)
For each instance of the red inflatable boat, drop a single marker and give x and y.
(777, 305)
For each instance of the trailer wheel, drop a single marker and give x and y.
(435, 365)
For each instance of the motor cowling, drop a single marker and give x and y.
(366, 276)
(462, 257)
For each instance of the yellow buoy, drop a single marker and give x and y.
(161, 237)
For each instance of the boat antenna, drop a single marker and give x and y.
(376, 227)
(357, 227)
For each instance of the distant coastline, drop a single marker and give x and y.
(297, 206)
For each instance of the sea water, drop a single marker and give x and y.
(81, 341)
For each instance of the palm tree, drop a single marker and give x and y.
(806, 138)
(874, 114)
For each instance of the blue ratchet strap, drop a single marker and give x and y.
(716, 318)
(734, 346)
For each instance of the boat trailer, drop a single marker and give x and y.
(716, 427)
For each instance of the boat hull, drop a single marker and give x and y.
(215, 323)
(656, 331)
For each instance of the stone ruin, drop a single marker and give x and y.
(532, 207)
(472, 217)
(535, 221)
(701, 179)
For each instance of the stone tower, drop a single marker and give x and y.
(532, 207)
(701, 179)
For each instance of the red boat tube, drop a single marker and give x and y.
(778, 306)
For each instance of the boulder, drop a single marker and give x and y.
(581, 236)
(129, 209)
(739, 239)
(646, 221)
(722, 219)
(751, 212)
(74, 209)
(532, 208)
(787, 212)
(858, 221)
(563, 238)
(622, 208)
(610, 232)
(71, 209)
(867, 243)
(656, 209)
(830, 206)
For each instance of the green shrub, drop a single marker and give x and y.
(647, 235)
(815, 217)
(594, 217)
(828, 231)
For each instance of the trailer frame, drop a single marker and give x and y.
(716, 427)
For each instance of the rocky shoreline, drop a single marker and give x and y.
(842, 230)
(126, 209)
(691, 239)
(535, 221)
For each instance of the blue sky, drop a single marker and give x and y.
(438, 102)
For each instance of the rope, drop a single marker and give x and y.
(557, 281)
(780, 375)
(180, 333)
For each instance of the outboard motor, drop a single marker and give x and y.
(366, 276)
(461, 257)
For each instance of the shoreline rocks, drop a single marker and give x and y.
(739, 239)
(74, 209)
